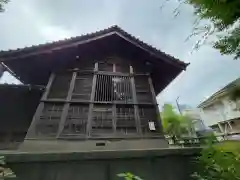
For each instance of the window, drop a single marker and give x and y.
(113, 88)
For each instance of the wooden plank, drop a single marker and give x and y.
(114, 67)
(112, 73)
(63, 119)
(48, 87)
(114, 118)
(131, 69)
(32, 129)
(156, 104)
(70, 91)
(136, 110)
(90, 111)
(67, 105)
(152, 90)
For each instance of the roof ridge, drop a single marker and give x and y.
(113, 28)
(220, 91)
(61, 40)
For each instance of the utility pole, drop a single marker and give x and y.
(178, 105)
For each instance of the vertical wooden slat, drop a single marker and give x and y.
(96, 94)
(48, 87)
(72, 84)
(106, 87)
(158, 121)
(63, 118)
(136, 111)
(154, 100)
(112, 88)
(100, 87)
(66, 105)
(114, 118)
(90, 112)
(32, 129)
(103, 87)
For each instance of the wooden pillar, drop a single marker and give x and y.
(114, 108)
(32, 129)
(134, 95)
(90, 110)
(154, 100)
(67, 104)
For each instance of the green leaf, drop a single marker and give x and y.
(121, 175)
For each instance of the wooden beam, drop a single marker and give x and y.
(48, 87)
(63, 119)
(155, 104)
(31, 133)
(112, 73)
(154, 100)
(66, 105)
(72, 84)
(32, 129)
(90, 110)
(10, 71)
(114, 118)
(134, 96)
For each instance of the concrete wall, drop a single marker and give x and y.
(155, 164)
(219, 111)
(90, 145)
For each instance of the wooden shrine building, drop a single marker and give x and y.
(99, 92)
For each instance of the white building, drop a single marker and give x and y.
(219, 112)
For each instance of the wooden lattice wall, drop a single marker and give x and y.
(106, 99)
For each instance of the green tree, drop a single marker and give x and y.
(224, 23)
(174, 124)
(129, 176)
(2, 3)
(219, 162)
(224, 15)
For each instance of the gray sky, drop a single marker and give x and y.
(29, 22)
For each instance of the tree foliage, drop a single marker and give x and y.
(2, 2)
(216, 163)
(129, 176)
(5, 172)
(224, 16)
(223, 24)
(174, 124)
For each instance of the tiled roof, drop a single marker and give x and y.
(220, 93)
(11, 53)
